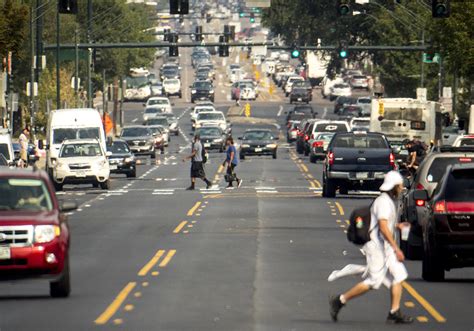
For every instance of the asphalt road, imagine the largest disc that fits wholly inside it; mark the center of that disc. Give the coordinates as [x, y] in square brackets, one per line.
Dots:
[148, 255]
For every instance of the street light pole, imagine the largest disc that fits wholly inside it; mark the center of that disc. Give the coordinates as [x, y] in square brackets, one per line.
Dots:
[58, 77]
[32, 69]
[89, 55]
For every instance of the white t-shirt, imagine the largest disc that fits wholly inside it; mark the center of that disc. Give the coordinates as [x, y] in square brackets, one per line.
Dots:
[383, 208]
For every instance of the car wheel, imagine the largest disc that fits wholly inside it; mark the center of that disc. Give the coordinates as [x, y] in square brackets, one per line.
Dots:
[242, 156]
[343, 190]
[432, 269]
[312, 158]
[95, 185]
[329, 189]
[62, 287]
[274, 155]
[153, 154]
[411, 252]
[299, 150]
[306, 152]
[132, 173]
[105, 185]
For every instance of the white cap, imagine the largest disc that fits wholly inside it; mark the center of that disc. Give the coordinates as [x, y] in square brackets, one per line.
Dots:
[392, 179]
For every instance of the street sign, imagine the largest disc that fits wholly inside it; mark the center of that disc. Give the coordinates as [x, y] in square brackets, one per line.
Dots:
[381, 108]
[247, 110]
[258, 3]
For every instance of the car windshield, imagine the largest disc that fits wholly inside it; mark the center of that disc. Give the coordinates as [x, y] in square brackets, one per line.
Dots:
[156, 129]
[5, 151]
[158, 121]
[153, 110]
[297, 116]
[460, 186]
[118, 147]
[300, 91]
[158, 102]
[171, 82]
[211, 116]
[258, 135]
[359, 77]
[24, 194]
[135, 132]
[170, 117]
[341, 86]
[80, 149]
[306, 110]
[360, 123]
[359, 141]
[203, 85]
[439, 165]
[61, 134]
[330, 127]
[210, 132]
[325, 136]
[364, 100]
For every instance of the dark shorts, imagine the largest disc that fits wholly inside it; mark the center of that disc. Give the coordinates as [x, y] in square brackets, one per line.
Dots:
[197, 170]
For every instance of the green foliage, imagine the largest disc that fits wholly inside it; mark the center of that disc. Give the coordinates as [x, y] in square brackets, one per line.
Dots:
[13, 26]
[382, 22]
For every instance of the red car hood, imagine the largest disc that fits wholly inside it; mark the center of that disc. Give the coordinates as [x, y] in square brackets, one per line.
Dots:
[28, 218]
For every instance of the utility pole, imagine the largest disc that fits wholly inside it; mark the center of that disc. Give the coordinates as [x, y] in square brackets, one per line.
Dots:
[89, 56]
[32, 69]
[422, 78]
[58, 77]
[76, 67]
[39, 37]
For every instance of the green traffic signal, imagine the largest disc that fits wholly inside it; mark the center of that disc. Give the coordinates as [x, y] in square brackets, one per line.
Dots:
[295, 53]
[242, 14]
[343, 54]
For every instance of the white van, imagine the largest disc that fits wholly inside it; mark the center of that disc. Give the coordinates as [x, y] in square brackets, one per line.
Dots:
[68, 124]
[6, 146]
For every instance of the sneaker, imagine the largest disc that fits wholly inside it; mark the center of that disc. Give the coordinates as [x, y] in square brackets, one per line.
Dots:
[398, 318]
[191, 188]
[239, 183]
[335, 306]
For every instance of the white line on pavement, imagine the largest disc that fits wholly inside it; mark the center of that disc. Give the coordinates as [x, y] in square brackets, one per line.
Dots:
[280, 111]
[134, 120]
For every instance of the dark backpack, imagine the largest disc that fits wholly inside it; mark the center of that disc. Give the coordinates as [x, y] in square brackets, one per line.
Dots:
[358, 231]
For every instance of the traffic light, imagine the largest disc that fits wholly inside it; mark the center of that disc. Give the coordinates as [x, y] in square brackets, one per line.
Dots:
[343, 7]
[252, 18]
[166, 35]
[179, 7]
[295, 52]
[198, 33]
[229, 32]
[67, 7]
[241, 14]
[440, 8]
[181, 19]
[96, 55]
[208, 18]
[343, 49]
[223, 49]
[173, 50]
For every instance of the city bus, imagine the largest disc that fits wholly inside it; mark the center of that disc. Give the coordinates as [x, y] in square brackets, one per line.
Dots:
[404, 118]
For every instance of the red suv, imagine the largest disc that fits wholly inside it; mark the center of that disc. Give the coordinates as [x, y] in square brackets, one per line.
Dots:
[34, 234]
[448, 228]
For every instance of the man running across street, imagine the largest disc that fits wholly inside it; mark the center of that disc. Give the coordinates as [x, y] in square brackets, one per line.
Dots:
[197, 166]
[384, 257]
[231, 161]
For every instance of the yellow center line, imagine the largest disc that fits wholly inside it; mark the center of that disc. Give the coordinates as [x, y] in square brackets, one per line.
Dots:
[312, 184]
[310, 176]
[167, 258]
[318, 184]
[305, 168]
[341, 210]
[144, 271]
[192, 210]
[180, 226]
[115, 305]
[428, 307]
[221, 168]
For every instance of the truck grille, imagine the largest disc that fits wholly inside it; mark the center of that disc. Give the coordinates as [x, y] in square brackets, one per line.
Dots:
[16, 236]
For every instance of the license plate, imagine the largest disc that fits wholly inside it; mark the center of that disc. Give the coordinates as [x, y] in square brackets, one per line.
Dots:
[5, 253]
[113, 167]
[258, 150]
[81, 174]
[207, 145]
[362, 175]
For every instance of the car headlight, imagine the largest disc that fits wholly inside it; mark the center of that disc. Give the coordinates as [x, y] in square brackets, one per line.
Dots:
[219, 140]
[46, 233]
[271, 146]
[211, 91]
[245, 145]
[173, 125]
[128, 159]
[198, 125]
[193, 91]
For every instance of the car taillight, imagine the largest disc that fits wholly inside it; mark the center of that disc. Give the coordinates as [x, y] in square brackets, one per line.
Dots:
[420, 186]
[465, 159]
[440, 207]
[392, 160]
[420, 203]
[331, 158]
[318, 144]
[306, 137]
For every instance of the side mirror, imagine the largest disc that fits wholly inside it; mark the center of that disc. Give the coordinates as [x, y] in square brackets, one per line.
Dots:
[67, 206]
[108, 153]
[420, 195]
